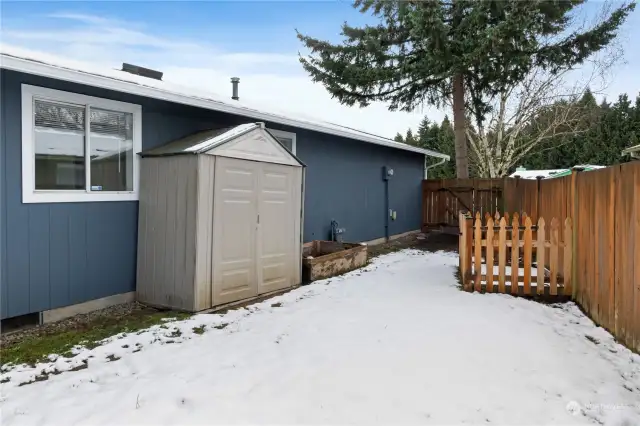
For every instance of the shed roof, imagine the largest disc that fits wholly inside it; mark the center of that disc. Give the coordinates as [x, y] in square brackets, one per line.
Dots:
[207, 140]
[47, 65]
[199, 142]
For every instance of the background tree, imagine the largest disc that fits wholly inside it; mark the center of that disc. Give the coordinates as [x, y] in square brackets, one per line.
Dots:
[605, 129]
[609, 129]
[543, 111]
[427, 51]
[437, 137]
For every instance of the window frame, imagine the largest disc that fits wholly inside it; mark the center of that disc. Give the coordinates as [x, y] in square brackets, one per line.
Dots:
[29, 193]
[284, 134]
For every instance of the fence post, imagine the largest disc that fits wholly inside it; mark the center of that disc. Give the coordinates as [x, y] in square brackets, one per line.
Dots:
[466, 243]
[477, 251]
[540, 255]
[468, 222]
[462, 239]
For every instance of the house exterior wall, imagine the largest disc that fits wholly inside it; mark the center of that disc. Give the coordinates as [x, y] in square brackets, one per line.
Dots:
[55, 255]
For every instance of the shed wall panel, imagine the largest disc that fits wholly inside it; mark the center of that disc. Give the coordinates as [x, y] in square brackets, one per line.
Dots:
[167, 231]
[204, 231]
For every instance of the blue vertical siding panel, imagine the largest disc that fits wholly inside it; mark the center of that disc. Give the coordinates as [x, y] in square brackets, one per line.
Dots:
[59, 247]
[78, 255]
[3, 209]
[111, 248]
[405, 194]
[344, 182]
[17, 217]
[39, 257]
[17, 262]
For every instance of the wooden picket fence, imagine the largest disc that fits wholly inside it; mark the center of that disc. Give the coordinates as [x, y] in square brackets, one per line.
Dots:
[502, 251]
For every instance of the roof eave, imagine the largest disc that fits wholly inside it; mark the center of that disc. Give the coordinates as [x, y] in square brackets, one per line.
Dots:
[81, 77]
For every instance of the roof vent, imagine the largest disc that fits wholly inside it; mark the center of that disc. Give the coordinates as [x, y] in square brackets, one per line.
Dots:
[144, 72]
[234, 86]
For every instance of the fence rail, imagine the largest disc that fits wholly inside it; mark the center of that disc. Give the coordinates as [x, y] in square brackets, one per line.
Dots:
[503, 256]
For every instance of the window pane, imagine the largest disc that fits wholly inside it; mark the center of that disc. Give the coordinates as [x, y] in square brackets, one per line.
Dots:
[287, 142]
[111, 144]
[59, 146]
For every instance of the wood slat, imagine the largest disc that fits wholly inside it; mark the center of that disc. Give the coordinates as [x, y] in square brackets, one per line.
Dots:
[477, 256]
[502, 254]
[553, 258]
[540, 255]
[528, 244]
[568, 258]
[468, 250]
[490, 252]
[515, 252]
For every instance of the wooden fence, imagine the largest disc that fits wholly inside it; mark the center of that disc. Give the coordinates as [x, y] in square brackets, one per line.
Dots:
[604, 206]
[506, 255]
[607, 238]
[522, 196]
[443, 199]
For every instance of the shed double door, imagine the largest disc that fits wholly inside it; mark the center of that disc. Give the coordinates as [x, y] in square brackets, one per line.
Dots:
[254, 229]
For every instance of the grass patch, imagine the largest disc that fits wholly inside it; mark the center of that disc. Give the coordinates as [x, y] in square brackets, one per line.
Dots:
[199, 330]
[36, 348]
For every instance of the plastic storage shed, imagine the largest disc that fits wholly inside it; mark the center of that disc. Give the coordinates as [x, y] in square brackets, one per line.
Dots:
[220, 219]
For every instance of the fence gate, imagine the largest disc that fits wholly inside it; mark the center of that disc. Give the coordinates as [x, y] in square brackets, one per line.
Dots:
[443, 199]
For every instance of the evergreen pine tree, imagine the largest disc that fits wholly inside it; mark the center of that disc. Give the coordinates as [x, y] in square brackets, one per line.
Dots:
[437, 50]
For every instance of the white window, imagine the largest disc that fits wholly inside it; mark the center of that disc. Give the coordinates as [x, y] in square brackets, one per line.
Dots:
[78, 148]
[287, 139]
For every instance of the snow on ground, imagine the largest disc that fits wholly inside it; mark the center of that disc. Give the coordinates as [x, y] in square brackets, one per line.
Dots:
[396, 342]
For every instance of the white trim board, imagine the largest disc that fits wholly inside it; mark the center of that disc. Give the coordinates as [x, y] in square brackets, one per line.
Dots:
[29, 194]
[155, 89]
[383, 240]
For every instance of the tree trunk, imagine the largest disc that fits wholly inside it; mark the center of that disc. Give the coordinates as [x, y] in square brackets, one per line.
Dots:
[459, 126]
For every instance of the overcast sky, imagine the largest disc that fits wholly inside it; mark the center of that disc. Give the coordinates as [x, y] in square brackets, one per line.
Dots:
[203, 44]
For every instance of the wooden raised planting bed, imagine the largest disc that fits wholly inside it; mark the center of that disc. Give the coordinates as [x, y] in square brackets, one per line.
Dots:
[324, 259]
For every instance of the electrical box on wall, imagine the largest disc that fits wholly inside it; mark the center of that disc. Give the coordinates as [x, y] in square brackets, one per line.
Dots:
[387, 173]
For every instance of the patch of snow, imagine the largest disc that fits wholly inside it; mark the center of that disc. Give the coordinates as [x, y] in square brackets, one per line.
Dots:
[533, 174]
[394, 342]
[217, 140]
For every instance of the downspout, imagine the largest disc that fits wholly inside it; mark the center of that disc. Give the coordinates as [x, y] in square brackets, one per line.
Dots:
[426, 168]
[387, 208]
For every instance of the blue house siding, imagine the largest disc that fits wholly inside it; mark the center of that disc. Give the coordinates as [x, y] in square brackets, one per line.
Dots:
[55, 255]
[344, 182]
